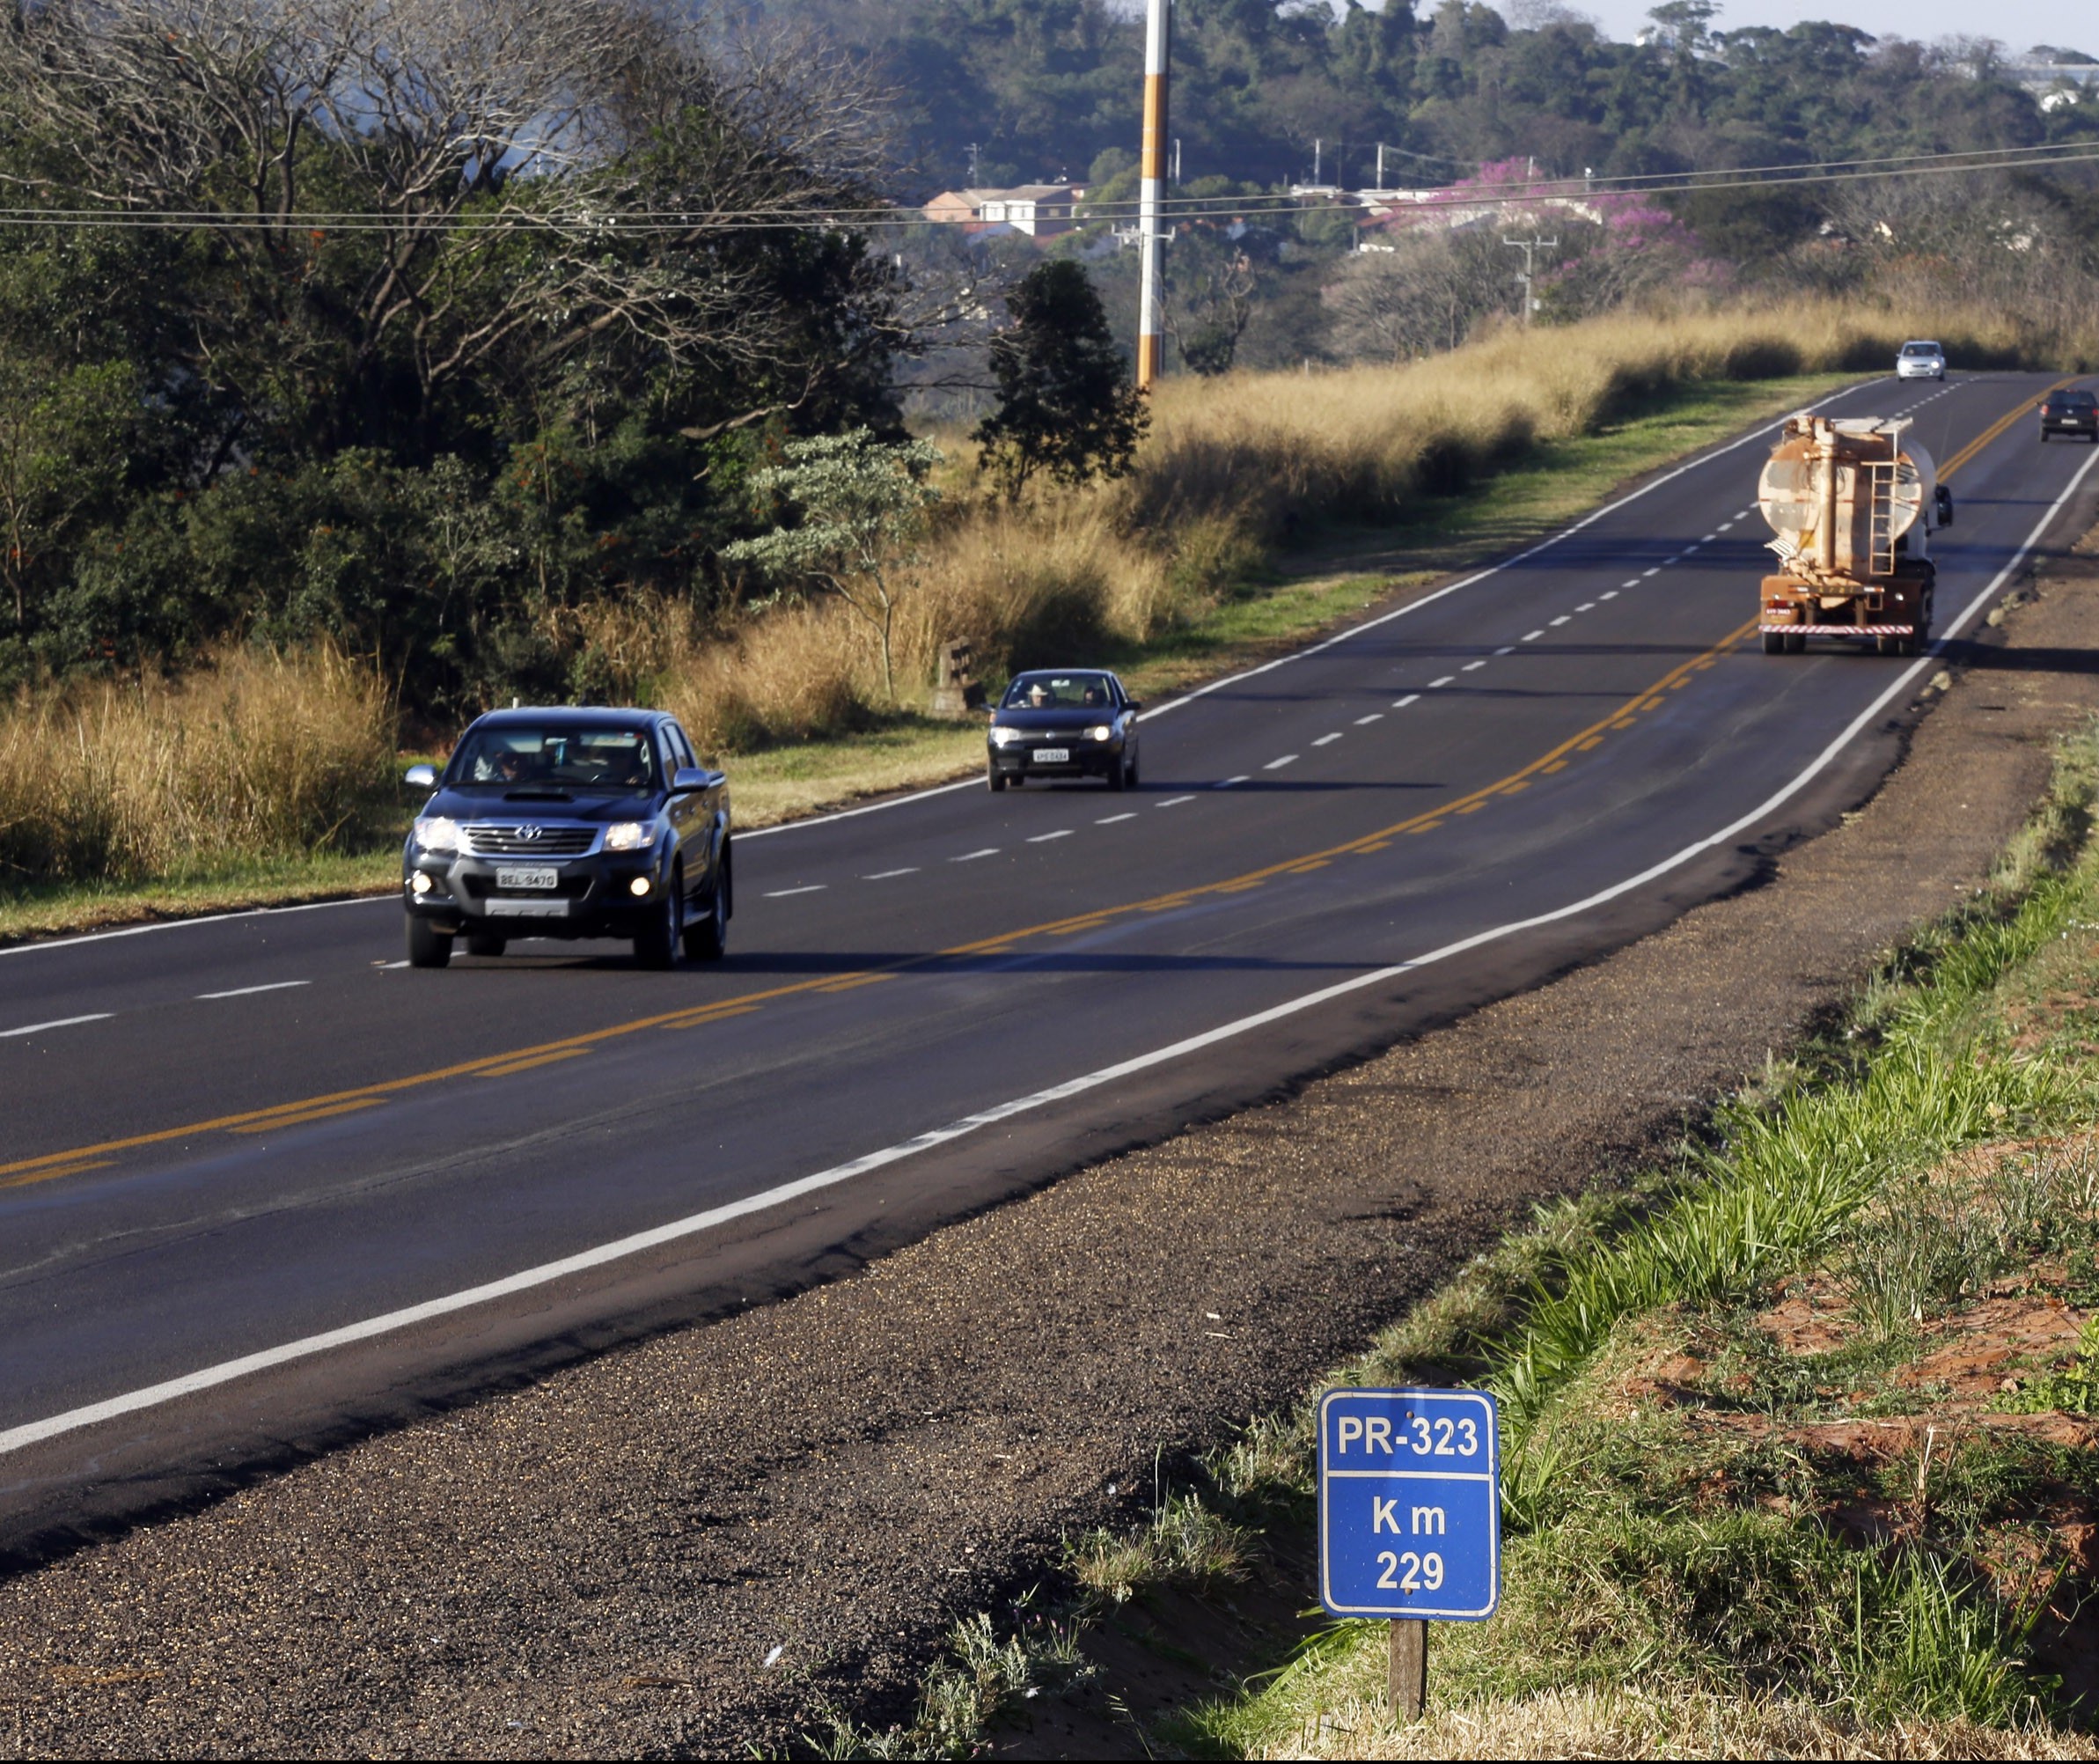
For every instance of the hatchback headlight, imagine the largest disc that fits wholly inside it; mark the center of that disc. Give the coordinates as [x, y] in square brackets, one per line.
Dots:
[1100, 731]
[436, 833]
[626, 835]
[1006, 738]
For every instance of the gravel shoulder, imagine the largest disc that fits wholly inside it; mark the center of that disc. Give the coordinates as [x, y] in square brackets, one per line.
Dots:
[700, 1542]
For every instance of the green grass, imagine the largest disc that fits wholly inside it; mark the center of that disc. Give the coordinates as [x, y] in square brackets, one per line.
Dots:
[1334, 577]
[1683, 1547]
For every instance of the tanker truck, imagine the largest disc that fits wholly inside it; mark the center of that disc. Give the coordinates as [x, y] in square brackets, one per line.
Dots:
[1853, 502]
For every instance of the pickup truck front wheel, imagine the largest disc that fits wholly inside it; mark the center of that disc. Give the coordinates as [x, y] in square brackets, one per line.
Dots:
[427, 946]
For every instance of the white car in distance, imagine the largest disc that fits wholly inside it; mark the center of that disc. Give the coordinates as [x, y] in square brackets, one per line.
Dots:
[1920, 360]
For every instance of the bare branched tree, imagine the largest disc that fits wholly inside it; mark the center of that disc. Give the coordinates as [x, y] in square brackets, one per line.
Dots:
[446, 189]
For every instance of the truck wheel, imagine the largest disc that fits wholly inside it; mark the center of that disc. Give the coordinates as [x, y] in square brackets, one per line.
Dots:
[656, 946]
[1774, 642]
[486, 943]
[1796, 643]
[427, 946]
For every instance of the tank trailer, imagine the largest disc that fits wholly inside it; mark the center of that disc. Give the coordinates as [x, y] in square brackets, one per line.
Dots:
[1853, 502]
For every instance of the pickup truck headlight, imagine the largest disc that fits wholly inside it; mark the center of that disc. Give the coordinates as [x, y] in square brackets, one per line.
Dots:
[1006, 738]
[626, 835]
[436, 833]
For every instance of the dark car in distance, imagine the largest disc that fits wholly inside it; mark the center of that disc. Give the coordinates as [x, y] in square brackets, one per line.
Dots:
[2070, 412]
[570, 823]
[1063, 723]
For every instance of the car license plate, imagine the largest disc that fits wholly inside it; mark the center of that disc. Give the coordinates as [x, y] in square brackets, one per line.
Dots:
[1051, 756]
[525, 875]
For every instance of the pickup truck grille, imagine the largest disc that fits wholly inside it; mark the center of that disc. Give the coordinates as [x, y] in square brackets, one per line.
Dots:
[527, 839]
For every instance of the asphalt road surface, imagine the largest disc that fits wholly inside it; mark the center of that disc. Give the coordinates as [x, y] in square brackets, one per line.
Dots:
[262, 1184]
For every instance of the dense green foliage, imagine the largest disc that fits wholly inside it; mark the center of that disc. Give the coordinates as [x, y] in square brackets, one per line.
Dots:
[401, 378]
[1067, 407]
[1041, 87]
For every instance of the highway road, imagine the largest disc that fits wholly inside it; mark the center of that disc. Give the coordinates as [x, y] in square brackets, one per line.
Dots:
[261, 1185]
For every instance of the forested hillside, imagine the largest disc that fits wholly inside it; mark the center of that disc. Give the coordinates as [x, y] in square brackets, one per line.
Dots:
[1040, 88]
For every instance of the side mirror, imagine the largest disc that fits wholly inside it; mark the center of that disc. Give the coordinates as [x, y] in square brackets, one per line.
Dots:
[1943, 498]
[687, 779]
[1132, 705]
[422, 777]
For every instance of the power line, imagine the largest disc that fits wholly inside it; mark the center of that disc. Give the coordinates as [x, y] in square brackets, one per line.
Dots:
[789, 215]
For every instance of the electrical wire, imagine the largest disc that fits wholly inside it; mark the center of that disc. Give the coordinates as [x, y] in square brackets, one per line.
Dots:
[1560, 192]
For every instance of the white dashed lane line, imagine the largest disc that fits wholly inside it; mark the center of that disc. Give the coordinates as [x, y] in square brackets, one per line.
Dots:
[1563, 618]
[1044, 838]
[811, 888]
[1471, 666]
[1587, 606]
[1375, 717]
[1175, 802]
[1505, 650]
[1324, 740]
[1110, 820]
[883, 875]
[57, 1023]
[1401, 703]
[1445, 681]
[1227, 784]
[1726, 526]
[1657, 570]
[971, 856]
[1532, 637]
[249, 991]
[1277, 765]
[1613, 595]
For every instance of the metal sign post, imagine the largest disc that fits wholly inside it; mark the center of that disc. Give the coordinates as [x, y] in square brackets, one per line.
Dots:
[1410, 1517]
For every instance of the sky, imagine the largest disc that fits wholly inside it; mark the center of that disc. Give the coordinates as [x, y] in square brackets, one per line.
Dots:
[2018, 24]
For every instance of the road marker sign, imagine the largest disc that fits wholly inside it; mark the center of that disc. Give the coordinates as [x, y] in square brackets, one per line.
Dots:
[1410, 1517]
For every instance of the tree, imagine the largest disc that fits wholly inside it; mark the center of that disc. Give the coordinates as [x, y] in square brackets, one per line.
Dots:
[1065, 404]
[859, 506]
[62, 454]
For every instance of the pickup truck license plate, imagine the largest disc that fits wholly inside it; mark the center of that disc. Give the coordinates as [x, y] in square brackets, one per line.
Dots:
[525, 875]
[1052, 756]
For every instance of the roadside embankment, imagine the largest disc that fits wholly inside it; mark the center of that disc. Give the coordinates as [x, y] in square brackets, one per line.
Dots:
[720, 1539]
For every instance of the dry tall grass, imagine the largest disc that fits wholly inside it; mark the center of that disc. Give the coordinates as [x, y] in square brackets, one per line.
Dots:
[261, 756]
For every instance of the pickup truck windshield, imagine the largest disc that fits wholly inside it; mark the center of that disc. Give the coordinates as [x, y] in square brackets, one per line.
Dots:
[514, 755]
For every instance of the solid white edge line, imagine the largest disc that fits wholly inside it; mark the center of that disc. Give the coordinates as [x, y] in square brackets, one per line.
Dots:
[245, 991]
[388, 897]
[30, 1433]
[57, 1023]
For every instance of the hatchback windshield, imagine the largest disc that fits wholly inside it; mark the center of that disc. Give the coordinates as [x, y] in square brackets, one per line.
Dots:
[1058, 692]
[561, 758]
[2073, 400]
[1919, 349]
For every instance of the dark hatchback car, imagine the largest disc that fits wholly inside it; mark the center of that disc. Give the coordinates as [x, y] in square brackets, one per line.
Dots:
[1064, 722]
[2070, 413]
[570, 824]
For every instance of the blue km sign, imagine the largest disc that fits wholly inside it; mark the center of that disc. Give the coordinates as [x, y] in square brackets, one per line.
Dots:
[1409, 1505]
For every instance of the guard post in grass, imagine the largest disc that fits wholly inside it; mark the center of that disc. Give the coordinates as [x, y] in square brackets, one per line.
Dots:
[1410, 1517]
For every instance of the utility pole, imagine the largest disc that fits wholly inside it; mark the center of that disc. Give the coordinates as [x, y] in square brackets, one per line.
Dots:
[973, 164]
[1158, 49]
[1316, 146]
[1177, 162]
[1526, 275]
[1381, 164]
